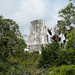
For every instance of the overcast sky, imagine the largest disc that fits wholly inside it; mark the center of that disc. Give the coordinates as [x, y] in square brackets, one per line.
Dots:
[25, 11]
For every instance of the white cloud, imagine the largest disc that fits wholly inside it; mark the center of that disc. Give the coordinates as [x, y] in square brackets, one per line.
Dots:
[25, 11]
[30, 10]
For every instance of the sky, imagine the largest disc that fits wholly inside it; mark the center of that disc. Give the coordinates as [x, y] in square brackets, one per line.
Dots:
[25, 11]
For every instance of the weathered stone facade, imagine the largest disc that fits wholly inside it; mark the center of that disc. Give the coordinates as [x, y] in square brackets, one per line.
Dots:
[37, 35]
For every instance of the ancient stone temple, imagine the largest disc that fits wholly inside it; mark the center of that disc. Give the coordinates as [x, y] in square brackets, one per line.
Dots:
[37, 36]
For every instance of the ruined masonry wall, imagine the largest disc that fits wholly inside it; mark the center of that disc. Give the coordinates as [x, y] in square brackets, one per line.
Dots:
[37, 35]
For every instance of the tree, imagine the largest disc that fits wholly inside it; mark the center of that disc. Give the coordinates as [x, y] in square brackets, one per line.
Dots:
[66, 57]
[49, 55]
[71, 40]
[62, 70]
[67, 23]
[10, 39]
[11, 46]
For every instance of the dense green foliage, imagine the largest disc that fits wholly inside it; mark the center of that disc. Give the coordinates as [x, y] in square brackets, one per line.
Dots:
[66, 57]
[62, 70]
[49, 55]
[11, 42]
[71, 40]
[52, 55]
[11, 45]
[20, 66]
